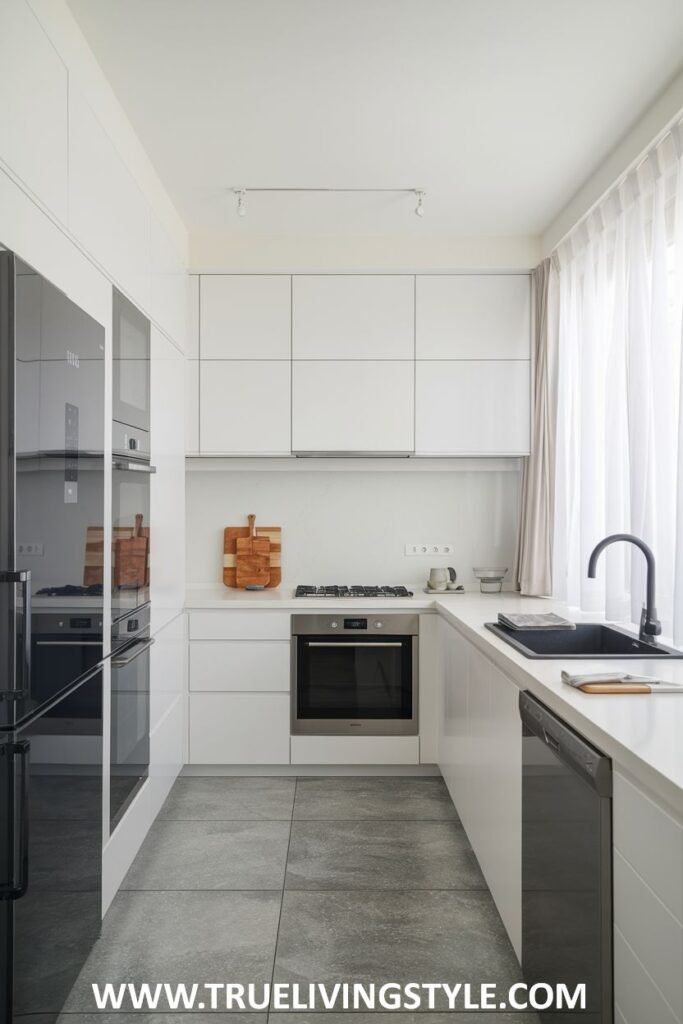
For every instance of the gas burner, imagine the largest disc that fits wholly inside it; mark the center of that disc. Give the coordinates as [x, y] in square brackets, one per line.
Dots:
[350, 592]
[70, 590]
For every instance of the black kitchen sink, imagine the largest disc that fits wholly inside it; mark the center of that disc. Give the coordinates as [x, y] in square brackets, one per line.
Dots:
[588, 640]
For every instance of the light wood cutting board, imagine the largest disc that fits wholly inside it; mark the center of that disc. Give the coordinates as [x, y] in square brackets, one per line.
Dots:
[230, 536]
[252, 558]
[94, 551]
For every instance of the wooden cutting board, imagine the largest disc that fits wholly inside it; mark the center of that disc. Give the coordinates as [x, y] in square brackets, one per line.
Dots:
[252, 561]
[130, 559]
[94, 551]
[232, 534]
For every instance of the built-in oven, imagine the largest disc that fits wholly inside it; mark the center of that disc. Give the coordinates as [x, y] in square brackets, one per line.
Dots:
[131, 376]
[355, 674]
[130, 710]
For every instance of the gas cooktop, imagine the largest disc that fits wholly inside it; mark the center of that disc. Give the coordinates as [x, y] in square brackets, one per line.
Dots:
[356, 591]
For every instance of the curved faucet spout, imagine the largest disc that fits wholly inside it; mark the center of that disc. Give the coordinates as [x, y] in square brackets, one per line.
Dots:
[650, 626]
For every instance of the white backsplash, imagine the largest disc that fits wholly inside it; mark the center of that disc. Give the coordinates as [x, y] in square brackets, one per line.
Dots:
[352, 527]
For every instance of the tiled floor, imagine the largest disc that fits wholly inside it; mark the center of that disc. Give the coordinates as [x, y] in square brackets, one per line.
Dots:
[255, 880]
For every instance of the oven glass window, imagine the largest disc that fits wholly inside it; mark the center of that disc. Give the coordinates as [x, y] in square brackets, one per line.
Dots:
[354, 678]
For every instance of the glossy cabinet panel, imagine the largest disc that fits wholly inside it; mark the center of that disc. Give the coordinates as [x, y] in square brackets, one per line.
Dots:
[245, 316]
[240, 665]
[473, 316]
[239, 728]
[353, 316]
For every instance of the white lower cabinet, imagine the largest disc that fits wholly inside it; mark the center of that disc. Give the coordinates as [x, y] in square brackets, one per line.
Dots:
[241, 665]
[239, 728]
[480, 757]
[648, 908]
[355, 750]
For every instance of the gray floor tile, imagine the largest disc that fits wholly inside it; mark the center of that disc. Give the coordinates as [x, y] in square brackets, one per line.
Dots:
[381, 855]
[393, 937]
[226, 799]
[393, 799]
[211, 855]
[191, 937]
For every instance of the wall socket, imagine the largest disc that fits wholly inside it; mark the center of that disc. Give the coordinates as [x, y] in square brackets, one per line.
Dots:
[31, 548]
[428, 549]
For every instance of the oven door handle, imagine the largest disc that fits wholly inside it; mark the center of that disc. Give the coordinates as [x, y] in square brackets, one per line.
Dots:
[122, 662]
[135, 467]
[369, 643]
[68, 643]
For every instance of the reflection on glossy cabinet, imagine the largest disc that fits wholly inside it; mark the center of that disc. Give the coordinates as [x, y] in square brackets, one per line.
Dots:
[245, 316]
[472, 407]
[480, 756]
[473, 316]
[353, 316]
[352, 406]
[245, 407]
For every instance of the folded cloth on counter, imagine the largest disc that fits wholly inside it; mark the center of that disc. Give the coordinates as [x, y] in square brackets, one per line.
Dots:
[547, 620]
[619, 683]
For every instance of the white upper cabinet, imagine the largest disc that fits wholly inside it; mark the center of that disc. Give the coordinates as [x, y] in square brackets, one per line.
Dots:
[353, 317]
[108, 213]
[473, 316]
[472, 407]
[169, 284]
[352, 406]
[245, 316]
[245, 407]
[33, 111]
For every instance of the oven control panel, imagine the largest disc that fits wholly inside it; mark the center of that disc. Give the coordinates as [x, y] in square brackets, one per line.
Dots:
[391, 624]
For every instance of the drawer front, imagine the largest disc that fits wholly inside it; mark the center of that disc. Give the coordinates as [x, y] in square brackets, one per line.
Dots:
[240, 665]
[234, 625]
[239, 728]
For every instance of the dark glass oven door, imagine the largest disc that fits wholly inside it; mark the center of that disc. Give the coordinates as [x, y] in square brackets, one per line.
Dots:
[131, 364]
[130, 715]
[354, 684]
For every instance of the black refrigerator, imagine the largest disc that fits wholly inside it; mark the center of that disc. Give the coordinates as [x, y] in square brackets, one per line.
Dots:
[52, 359]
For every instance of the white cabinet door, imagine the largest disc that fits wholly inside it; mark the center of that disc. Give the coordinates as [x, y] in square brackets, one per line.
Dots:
[353, 317]
[352, 406]
[472, 407]
[33, 111]
[167, 485]
[473, 316]
[192, 406]
[245, 407]
[245, 316]
[239, 728]
[240, 666]
[169, 284]
[108, 213]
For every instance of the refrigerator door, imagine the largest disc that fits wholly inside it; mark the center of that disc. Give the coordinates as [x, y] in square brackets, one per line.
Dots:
[51, 858]
[52, 361]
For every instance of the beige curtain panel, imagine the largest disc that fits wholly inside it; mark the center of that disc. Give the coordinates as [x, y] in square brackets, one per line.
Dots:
[534, 558]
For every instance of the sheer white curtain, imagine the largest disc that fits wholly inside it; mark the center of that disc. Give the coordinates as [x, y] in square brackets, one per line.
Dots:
[619, 460]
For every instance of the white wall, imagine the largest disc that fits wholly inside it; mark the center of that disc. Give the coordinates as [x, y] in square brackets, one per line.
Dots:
[350, 526]
[655, 120]
[237, 252]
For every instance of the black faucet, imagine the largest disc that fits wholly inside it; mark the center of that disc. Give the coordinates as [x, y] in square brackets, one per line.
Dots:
[650, 626]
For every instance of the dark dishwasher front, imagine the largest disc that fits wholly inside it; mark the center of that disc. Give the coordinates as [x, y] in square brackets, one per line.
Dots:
[566, 863]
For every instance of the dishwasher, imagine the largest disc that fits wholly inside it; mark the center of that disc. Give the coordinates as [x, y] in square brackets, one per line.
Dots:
[566, 863]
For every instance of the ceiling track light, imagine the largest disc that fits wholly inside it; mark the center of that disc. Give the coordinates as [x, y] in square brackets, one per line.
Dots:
[241, 194]
[419, 194]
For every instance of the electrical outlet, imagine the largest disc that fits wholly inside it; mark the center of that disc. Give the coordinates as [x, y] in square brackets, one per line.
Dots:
[31, 548]
[417, 550]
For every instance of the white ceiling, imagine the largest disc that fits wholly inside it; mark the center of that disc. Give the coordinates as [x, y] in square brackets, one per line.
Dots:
[499, 109]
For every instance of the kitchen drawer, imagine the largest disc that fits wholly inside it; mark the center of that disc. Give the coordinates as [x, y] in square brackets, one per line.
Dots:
[239, 728]
[355, 750]
[240, 665]
[240, 625]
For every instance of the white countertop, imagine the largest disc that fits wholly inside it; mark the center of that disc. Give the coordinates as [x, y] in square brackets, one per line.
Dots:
[643, 734]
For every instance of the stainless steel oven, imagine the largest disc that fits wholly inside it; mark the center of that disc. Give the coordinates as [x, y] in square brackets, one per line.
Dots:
[130, 707]
[131, 376]
[355, 674]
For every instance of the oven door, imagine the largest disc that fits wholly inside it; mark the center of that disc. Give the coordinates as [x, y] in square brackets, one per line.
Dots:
[129, 724]
[131, 364]
[350, 685]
